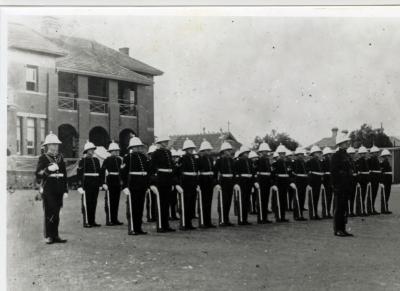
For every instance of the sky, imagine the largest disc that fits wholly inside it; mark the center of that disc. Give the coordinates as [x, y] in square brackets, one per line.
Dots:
[299, 75]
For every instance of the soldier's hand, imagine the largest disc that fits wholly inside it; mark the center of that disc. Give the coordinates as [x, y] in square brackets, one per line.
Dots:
[293, 185]
[126, 191]
[80, 190]
[257, 185]
[40, 190]
[53, 167]
[65, 195]
[179, 189]
[105, 187]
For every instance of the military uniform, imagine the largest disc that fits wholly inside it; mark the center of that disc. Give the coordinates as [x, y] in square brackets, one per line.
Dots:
[135, 176]
[315, 177]
[110, 173]
[162, 169]
[291, 192]
[151, 202]
[207, 183]
[54, 184]
[354, 182]
[386, 180]
[223, 172]
[244, 178]
[375, 176]
[189, 171]
[263, 168]
[341, 171]
[327, 182]
[301, 181]
[363, 179]
[281, 179]
[88, 175]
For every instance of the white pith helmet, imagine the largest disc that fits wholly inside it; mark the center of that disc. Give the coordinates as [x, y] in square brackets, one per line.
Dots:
[253, 155]
[362, 150]
[351, 150]
[152, 149]
[113, 147]
[135, 142]
[264, 147]
[281, 149]
[299, 151]
[326, 151]
[225, 146]
[385, 152]
[162, 138]
[243, 149]
[205, 145]
[51, 138]
[374, 149]
[342, 138]
[88, 146]
[188, 144]
[315, 149]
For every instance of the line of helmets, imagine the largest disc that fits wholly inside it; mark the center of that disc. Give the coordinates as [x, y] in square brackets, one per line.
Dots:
[205, 145]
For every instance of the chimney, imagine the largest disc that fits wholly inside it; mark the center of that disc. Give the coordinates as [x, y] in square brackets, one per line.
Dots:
[334, 132]
[124, 50]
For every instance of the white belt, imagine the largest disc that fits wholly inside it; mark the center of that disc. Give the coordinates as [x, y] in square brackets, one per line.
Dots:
[206, 173]
[388, 173]
[113, 173]
[190, 173]
[317, 173]
[138, 173]
[264, 173]
[227, 175]
[246, 175]
[378, 172]
[355, 174]
[327, 173]
[56, 175]
[301, 175]
[283, 175]
[364, 173]
[91, 174]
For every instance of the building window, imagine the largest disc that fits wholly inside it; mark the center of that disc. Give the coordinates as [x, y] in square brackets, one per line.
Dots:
[30, 136]
[42, 130]
[31, 78]
[132, 97]
[19, 135]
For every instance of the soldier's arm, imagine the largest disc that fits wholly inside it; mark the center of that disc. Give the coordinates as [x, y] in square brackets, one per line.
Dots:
[124, 170]
[63, 170]
[41, 168]
[79, 173]
[103, 171]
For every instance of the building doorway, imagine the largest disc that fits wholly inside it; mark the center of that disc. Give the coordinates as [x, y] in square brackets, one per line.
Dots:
[99, 136]
[124, 137]
[69, 138]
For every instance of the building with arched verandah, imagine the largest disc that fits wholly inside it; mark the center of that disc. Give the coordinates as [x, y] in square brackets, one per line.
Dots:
[76, 88]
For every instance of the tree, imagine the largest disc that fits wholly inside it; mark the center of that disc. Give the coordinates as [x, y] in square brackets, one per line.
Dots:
[275, 138]
[368, 137]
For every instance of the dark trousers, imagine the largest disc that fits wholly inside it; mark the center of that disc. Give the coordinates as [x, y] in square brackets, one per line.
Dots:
[52, 203]
[224, 206]
[244, 199]
[151, 206]
[111, 202]
[91, 188]
[164, 185]
[375, 178]
[328, 193]
[172, 204]
[262, 211]
[301, 184]
[206, 186]
[363, 180]
[283, 185]
[387, 182]
[352, 197]
[340, 213]
[313, 205]
[135, 206]
[253, 202]
[188, 203]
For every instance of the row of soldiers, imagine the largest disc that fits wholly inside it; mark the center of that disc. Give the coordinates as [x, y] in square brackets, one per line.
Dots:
[170, 183]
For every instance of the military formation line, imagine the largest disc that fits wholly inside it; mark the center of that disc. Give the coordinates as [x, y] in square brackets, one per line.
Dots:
[181, 184]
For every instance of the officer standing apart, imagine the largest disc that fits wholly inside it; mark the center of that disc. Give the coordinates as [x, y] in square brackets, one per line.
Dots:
[223, 173]
[162, 167]
[341, 179]
[134, 173]
[110, 174]
[88, 184]
[207, 183]
[52, 175]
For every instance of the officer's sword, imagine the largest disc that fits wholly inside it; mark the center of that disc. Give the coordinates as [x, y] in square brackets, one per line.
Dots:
[201, 204]
[108, 198]
[322, 192]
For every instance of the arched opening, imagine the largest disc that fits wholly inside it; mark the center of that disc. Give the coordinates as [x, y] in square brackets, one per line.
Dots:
[99, 136]
[69, 138]
[124, 137]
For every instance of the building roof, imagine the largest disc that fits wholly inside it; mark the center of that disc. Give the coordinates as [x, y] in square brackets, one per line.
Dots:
[325, 142]
[24, 38]
[84, 57]
[214, 138]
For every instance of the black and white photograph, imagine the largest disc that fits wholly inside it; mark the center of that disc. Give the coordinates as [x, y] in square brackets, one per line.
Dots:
[201, 148]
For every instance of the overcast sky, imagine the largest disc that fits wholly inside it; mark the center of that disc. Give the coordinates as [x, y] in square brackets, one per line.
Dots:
[302, 76]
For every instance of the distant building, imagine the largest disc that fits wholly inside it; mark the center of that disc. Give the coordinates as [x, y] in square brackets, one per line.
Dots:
[77, 88]
[214, 138]
[395, 141]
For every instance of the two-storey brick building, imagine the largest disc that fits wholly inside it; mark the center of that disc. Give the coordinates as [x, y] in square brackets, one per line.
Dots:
[77, 88]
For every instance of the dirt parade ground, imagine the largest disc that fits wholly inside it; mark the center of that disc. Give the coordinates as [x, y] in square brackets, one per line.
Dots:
[293, 256]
